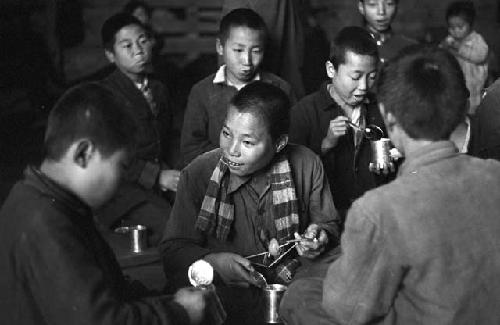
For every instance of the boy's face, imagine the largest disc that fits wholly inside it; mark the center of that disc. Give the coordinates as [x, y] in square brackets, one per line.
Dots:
[378, 13]
[246, 143]
[458, 27]
[131, 51]
[354, 77]
[243, 53]
[103, 175]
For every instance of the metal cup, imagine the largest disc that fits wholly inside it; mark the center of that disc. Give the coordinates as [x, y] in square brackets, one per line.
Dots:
[138, 238]
[381, 157]
[272, 295]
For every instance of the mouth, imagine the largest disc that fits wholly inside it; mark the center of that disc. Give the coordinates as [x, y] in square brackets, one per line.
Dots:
[232, 163]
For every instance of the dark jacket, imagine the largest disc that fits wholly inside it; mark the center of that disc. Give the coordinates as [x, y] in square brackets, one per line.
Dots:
[183, 244]
[206, 110]
[345, 165]
[57, 269]
[154, 136]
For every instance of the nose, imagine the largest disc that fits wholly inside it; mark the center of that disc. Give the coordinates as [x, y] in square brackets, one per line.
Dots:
[234, 149]
[363, 84]
[246, 58]
[138, 48]
[381, 9]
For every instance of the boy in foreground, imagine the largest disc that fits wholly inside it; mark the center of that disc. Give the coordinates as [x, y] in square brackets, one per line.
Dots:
[56, 267]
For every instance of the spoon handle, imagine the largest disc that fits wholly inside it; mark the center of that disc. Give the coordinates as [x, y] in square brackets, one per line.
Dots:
[353, 125]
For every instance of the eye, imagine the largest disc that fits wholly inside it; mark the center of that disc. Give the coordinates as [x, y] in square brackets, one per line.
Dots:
[225, 133]
[126, 45]
[356, 77]
[372, 76]
[248, 143]
[257, 51]
[238, 50]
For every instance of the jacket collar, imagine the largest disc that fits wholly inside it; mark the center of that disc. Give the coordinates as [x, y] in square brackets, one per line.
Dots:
[427, 155]
[58, 194]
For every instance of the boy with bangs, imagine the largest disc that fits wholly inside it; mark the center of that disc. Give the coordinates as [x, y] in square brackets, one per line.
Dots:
[241, 42]
[140, 197]
[56, 267]
[378, 16]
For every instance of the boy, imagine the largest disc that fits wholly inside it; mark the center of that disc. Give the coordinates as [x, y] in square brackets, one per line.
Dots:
[236, 200]
[423, 249]
[320, 121]
[241, 43]
[56, 267]
[378, 16]
[139, 199]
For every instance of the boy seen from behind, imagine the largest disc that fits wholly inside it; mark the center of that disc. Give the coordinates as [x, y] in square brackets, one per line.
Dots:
[57, 269]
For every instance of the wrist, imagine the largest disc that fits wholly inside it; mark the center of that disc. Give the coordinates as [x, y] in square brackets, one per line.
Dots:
[328, 144]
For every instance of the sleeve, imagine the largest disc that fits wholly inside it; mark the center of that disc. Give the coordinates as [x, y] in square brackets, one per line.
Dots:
[144, 172]
[475, 51]
[321, 207]
[361, 284]
[182, 243]
[70, 286]
[194, 135]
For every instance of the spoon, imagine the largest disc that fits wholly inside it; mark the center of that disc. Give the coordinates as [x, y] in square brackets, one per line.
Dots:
[371, 132]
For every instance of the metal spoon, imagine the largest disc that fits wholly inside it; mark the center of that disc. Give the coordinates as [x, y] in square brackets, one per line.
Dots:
[371, 132]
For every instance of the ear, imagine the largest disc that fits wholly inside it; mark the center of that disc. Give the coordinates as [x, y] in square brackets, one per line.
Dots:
[282, 142]
[84, 151]
[361, 8]
[330, 70]
[219, 47]
[110, 55]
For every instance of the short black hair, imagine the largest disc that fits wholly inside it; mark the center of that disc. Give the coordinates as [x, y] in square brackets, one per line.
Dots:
[113, 24]
[89, 111]
[354, 39]
[241, 17]
[424, 88]
[131, 6]
[464, 9]
[266, 101]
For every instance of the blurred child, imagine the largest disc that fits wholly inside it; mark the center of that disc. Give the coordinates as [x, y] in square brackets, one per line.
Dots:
[241, 43]
[378, 16]
[468, 47]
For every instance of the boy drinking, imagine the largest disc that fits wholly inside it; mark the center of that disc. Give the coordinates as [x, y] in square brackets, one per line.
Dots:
[56, 267]
[241, 43]
[323, 120]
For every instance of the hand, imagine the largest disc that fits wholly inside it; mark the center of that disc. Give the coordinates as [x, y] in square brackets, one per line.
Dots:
[232, 268]
[337, 128]
[169, 179]
[385, 170]
[193, 301]
[312, 249]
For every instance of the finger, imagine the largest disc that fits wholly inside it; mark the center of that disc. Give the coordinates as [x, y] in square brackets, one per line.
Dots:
[323, 237]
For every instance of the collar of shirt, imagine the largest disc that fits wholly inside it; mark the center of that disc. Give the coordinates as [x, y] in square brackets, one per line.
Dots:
[59, 194]
[380, 38]
[220, 78]
[143, 85]
[259, 180]
[465, 146]
[427, 155]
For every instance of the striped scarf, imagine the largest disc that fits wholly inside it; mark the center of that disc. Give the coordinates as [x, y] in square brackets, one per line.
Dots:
[217, 209]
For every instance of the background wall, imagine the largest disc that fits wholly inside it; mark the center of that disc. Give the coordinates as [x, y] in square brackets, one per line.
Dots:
[189, 26]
